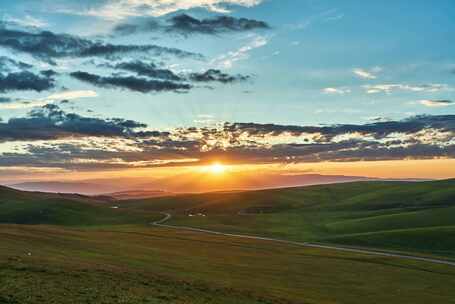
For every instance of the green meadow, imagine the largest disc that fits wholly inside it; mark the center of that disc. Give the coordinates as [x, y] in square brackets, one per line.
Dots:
[412, 217]
[74, 249]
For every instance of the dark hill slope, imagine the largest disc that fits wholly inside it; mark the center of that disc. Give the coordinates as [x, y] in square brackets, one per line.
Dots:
[18, 207]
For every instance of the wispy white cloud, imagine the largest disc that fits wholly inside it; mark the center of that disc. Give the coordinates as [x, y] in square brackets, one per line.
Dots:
[64, 95]
[330, 15]
[436, 103]
[69, 95]
[367, 74]
[27, 21]
[388, 88]
[339, 91]
[228, 60]
[334, 17]
[378, 118]
[121, 9]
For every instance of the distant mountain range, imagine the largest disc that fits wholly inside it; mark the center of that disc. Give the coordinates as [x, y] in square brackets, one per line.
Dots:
[138, 194]
[66, 187]
[135, 189]
[91, 189]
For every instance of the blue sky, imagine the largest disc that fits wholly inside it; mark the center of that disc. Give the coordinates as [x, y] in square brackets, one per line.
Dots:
[296, 62]
[312, 45]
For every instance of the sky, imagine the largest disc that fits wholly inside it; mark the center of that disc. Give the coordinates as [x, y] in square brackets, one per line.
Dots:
[96, 89]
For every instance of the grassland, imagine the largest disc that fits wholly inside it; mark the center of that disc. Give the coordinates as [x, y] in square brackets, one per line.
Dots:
[49, 264]
[411, 217]
[72, 249]
[18, 207]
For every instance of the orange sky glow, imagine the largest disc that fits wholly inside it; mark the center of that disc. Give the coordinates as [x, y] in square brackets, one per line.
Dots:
[224, 176]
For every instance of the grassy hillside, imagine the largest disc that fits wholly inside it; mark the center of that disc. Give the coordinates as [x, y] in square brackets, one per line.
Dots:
[81, 250]
[416, 217]
[43, 264]
[40, 208]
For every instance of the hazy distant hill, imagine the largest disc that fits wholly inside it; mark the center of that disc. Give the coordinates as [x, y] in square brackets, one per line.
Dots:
[66, 187]
[261, 180]
[125, 189]
[138, 194]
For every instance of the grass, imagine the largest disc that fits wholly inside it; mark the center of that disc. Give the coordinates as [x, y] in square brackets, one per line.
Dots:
[412, 217]
[72, 249]
[19, 207]
[155, 265]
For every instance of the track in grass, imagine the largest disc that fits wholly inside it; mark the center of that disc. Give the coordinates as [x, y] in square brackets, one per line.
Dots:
[168, 216]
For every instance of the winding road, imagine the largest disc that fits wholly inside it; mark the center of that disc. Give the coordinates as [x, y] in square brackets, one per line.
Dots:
[168, 216]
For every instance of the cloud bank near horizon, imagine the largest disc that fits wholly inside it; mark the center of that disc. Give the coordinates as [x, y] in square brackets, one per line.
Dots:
[68, 140]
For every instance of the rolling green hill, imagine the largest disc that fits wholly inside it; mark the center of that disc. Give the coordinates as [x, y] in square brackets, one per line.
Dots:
[415, 217]
[405, 216]
[18, 207]
[70, 249]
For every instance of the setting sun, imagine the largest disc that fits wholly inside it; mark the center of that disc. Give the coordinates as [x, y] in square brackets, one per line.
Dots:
[217, 168]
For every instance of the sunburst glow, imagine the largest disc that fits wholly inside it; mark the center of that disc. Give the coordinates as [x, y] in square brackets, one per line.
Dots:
[217, 168]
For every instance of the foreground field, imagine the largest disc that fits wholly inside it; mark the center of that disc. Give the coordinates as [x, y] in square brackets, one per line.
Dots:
[155, 265]
[411, 217]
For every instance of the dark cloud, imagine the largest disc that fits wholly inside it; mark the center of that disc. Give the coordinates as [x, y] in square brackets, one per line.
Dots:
[15, 76]
[5, 99]
[48, 46]
[25, 81]
[213, 75]
[145, 69]
[377, 130]
[7, 64]
[186, 25]
[144, 25]
[125, 29]
[131, 83]
[48, 73]
[152, 70]
[127, 143]
[50, 122]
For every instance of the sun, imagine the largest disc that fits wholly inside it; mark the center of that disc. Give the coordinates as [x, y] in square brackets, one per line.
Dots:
[217, 168]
